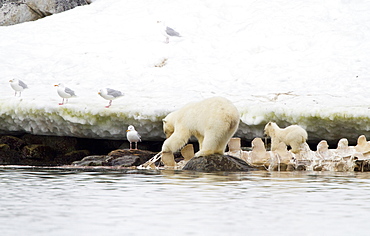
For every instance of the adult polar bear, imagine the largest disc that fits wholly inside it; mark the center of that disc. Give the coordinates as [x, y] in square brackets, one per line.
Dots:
[212, 121]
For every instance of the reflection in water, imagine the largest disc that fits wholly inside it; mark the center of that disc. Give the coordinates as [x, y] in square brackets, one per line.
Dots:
[140, 202]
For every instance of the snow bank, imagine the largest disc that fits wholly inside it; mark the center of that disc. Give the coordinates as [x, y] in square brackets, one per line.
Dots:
[303, 62]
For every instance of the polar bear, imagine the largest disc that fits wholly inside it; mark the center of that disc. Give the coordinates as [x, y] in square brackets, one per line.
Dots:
[212, 121]
[293, 136]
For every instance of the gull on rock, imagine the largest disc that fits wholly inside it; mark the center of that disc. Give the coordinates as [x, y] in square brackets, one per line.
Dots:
[132, 136]
[18, 86]
[168, 32]
[110, 94]
[64, 92]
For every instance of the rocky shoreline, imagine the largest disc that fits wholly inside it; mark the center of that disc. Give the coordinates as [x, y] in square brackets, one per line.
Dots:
[71, 152]
[38, 150]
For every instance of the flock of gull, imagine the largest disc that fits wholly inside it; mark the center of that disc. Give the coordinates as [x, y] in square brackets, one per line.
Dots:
[65, 93]
[107, 93]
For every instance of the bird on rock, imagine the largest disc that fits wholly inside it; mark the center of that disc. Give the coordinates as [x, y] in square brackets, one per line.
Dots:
[168, 32]
[110, 94]
[64, 92]
[132, 136]
[18, 86]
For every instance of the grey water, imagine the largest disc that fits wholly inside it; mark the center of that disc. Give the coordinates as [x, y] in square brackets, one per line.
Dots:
[48, 201]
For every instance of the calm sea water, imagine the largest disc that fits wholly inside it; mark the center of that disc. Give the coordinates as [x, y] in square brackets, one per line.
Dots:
[130, 202]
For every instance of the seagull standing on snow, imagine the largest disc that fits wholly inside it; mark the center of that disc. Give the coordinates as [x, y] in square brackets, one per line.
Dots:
[133, 136]
[18, 86]
[64, 92]
[169, 32]
[110, 94]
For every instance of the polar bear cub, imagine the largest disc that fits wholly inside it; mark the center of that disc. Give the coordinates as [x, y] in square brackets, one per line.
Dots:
[293, 136]
[212, 121]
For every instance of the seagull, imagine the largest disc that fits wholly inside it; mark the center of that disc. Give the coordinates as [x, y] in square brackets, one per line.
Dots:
[169, 32]
[133, 136]
[110, 94]
[64, 92]
[18, 86]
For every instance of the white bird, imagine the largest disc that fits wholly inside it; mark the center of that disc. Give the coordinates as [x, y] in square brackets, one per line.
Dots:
[110, 94]
[132, 136]
[18, 86]
[64, 92]
[168, 32]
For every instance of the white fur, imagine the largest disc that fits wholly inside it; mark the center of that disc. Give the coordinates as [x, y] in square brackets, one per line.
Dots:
[212, 121]
[293, 136]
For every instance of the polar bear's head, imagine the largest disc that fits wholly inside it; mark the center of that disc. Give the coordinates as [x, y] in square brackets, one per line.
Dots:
[269, 128]
[168, 127]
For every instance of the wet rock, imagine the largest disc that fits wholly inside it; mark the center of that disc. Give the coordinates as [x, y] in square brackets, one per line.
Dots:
[38, 152]
[120, 157]
[13, 142]
[217, 162]
[97, 160]
[362, 165]
[8, 156]
[29, 149]
[61, 144]
[127, 157]
[126, 161]
[4, 147]
[70, 157]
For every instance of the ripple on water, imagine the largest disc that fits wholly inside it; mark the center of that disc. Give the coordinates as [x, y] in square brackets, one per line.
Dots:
[46, 201]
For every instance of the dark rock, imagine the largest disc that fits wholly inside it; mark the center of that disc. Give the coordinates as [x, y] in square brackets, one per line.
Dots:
[29, 149]
[9, 156]
[317, 167]
[127, 158]
[125, 161]
[39, 152]
[72, 156]
[97, 160]
[120, 157]
[18, 11]
[217, 162]
[4, 147]
[362, 165]
[13, 142]
[98, 146]
[61, 144]
[301, 167]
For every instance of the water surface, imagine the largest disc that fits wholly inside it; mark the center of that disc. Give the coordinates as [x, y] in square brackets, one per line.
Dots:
[46, 201]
